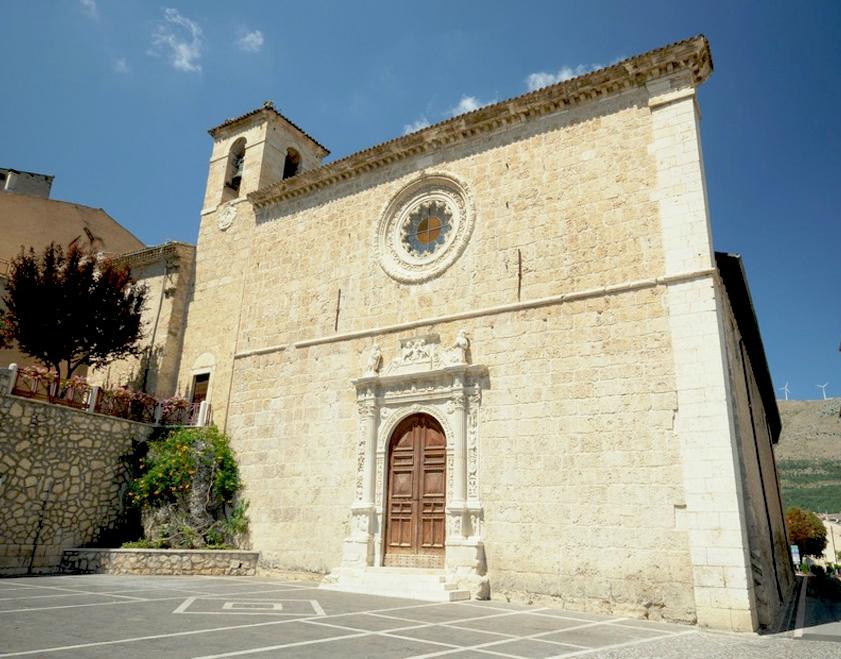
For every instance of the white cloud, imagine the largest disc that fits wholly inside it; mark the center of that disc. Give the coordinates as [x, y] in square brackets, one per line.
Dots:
[120, 65]
[251, 42]
[179, 40]
[544, 79]
[89, 7]
[466, 104]
[415, 126]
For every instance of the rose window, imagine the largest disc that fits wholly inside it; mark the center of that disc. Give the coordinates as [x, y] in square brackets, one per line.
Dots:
[424, 228]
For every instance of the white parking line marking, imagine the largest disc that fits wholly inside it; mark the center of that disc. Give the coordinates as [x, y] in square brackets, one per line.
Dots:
[187, 633]
[185, 605]
[104, 593]
[321, 623]
[485, 647]
[268, 648]
[183, 608]
[83, 592]
[79, 606]
[252, 605]
[239, 653]
[324, 620]
[638, 641]
[40, 597]
[459, 620]
[256, 592]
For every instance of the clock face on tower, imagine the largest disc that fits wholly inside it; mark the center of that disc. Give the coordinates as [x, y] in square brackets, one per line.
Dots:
[424, 228]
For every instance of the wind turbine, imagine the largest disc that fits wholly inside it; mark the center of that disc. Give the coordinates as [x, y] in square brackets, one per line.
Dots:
[823, 387]
[785, 390]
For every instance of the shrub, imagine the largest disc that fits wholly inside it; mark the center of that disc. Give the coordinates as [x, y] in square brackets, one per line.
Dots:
[188, 489]
[143, 544]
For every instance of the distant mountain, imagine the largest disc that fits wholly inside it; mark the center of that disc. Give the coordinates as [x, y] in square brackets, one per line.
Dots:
[809, 454]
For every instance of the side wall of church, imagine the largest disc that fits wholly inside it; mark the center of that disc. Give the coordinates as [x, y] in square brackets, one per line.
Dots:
[771, 567]
[579, 470]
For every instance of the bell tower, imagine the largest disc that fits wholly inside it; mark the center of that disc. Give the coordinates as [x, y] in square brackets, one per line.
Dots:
[254, 150]
[250, 152]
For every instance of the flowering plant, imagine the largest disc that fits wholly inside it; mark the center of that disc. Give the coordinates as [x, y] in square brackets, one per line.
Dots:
[74, 382]
[175, 411]
[39, 373]
[174, 404]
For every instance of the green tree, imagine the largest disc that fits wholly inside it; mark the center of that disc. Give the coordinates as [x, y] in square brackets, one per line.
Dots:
[72, 309]
[806, 530]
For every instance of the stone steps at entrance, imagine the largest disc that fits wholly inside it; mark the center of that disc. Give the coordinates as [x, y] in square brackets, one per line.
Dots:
[412, 583]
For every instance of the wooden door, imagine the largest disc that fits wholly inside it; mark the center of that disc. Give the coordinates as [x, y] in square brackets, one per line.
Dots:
[417, 476]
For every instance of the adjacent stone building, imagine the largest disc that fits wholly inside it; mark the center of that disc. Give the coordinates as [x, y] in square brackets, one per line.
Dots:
[500, 349]
[167, 273]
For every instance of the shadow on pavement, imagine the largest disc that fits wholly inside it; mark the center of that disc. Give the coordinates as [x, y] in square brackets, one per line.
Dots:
[822, 620]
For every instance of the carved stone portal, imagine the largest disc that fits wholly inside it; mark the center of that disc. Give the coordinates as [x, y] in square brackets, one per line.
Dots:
[422, 377]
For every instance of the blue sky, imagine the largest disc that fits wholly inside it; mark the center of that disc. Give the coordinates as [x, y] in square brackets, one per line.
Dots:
[114, 99]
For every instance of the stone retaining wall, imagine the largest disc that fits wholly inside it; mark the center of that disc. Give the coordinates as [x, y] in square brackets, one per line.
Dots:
[63, 474]
[159, 561]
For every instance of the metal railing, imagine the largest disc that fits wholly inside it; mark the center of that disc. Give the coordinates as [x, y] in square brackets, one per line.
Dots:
[120, 403]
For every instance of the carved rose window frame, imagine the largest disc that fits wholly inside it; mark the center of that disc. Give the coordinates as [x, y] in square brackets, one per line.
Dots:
[439, 194]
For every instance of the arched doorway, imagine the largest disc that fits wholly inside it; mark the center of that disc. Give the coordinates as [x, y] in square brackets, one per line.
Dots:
[415, 510]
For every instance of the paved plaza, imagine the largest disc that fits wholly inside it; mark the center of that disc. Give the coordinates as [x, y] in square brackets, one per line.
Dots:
[170, 617]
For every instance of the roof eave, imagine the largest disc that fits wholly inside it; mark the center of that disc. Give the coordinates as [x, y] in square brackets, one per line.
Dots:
[265, 112]
[733, 276]
[691, 55]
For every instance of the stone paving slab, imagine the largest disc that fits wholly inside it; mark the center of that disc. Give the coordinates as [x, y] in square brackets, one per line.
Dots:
[181, 617]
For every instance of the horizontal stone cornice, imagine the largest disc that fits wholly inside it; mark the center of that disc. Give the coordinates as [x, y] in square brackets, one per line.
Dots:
[691, 56]
[562, 298]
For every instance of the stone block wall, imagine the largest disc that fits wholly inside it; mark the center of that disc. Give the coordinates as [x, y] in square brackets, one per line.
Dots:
[580, 474]
[62, 477]
[607, 464]
[546, 224]
[159, 561]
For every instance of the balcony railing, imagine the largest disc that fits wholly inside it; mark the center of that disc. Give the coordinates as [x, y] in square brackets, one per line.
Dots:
[41, 384]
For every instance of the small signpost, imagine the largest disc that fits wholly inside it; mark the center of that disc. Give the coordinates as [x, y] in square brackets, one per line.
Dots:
[795, 556]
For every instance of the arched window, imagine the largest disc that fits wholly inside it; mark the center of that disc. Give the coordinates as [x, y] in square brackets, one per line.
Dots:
[236, 164]
[291, 164]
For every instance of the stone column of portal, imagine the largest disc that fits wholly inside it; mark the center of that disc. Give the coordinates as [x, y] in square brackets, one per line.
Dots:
[359, 546]
[459, 452]
[464, 555]
[369, 477]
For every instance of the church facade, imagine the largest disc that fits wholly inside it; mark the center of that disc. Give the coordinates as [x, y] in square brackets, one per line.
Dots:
[499, 352]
